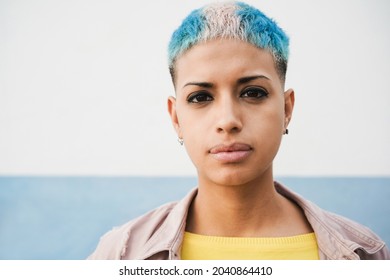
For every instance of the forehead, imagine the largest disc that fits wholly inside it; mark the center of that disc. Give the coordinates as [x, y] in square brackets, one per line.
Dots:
[223, 59]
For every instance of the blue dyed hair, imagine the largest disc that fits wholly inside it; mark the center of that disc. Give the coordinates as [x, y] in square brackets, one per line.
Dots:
[234, 20]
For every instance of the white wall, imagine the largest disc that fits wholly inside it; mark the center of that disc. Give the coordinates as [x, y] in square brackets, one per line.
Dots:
[83, 87]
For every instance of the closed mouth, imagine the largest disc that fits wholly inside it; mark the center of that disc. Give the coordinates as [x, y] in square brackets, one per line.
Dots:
[235, 147]
[234, 153]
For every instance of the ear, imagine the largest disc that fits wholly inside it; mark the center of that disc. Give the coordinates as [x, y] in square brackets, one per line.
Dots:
[289, 100]
[173, 114]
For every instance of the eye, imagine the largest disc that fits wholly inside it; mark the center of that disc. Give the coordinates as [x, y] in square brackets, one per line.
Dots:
[254, 93]
[199, 97]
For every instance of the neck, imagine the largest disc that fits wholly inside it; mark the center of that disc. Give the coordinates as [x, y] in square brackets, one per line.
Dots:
[252, 209]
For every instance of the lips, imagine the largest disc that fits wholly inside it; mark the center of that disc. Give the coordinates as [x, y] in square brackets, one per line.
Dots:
[233, 153]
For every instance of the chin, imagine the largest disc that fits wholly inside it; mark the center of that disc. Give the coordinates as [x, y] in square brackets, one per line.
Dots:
[233, 176]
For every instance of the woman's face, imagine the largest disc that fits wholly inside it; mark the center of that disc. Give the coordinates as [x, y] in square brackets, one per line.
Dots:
[230, 110]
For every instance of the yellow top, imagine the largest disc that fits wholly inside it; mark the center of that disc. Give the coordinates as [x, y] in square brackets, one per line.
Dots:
[202, 247]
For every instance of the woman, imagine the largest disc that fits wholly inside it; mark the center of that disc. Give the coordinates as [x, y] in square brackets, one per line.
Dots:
[228, 64]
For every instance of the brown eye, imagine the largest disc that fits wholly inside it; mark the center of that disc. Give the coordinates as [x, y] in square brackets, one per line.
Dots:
[199, 97]
[256, 93]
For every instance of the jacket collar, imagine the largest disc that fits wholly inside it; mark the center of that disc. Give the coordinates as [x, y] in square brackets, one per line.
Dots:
[332, 244]
[169, 236]
[328, 227]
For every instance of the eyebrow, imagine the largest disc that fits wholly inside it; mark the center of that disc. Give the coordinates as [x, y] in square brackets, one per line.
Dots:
[240, 81]
[245, 80]
[199, 84]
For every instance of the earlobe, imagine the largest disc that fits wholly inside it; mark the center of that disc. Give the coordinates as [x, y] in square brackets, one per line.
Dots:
[173, 113]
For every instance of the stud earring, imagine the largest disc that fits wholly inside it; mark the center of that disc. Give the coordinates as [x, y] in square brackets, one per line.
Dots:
[180, 140]
[286, 131]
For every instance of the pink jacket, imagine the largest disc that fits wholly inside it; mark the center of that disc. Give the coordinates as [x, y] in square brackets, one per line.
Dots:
[158, 234]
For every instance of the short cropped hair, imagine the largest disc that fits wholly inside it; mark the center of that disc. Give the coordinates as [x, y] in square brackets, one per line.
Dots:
[230, 20]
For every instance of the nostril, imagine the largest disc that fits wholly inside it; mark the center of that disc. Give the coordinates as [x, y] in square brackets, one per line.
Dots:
[229, 129]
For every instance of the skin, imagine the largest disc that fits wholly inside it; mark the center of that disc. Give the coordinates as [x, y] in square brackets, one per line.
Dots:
[231, 110]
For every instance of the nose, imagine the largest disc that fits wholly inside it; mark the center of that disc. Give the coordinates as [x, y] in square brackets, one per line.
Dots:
[228, 116]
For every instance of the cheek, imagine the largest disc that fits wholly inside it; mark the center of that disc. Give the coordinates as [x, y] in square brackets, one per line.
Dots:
[194, 130]
[266, 129]
[269, 119]
[275, 120]
[195, 146]
[192, 122]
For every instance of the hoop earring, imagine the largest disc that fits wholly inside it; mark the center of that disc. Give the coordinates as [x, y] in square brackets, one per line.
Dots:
[181, 141]
[286, 131]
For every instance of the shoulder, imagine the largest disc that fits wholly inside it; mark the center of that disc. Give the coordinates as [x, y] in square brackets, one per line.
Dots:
[339, 237]
[155, 232]
[114, 244]
[352, 235]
